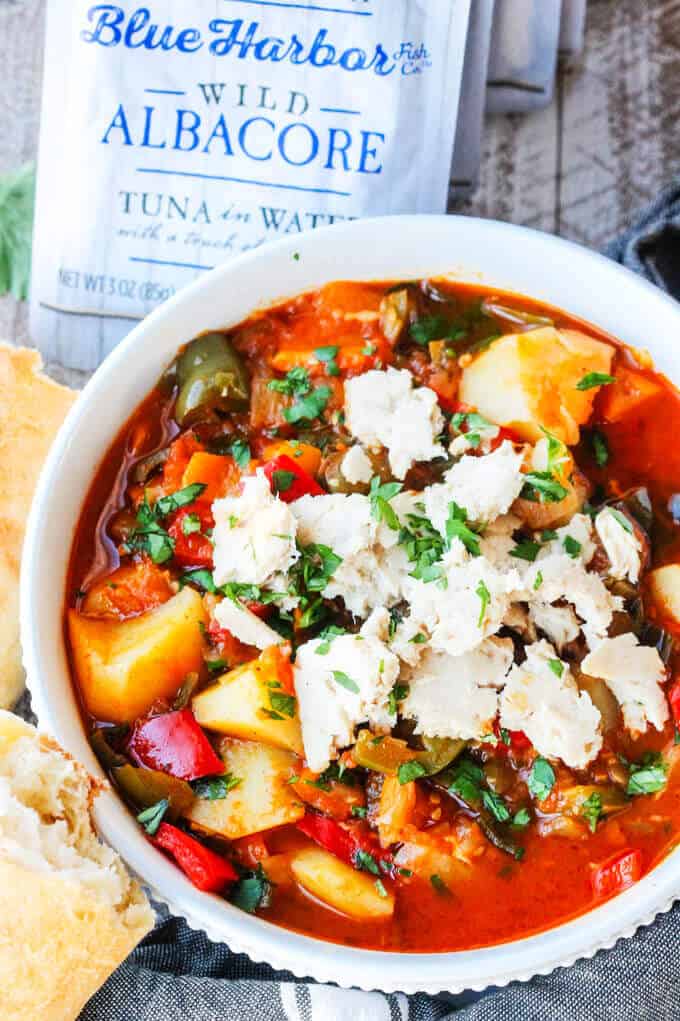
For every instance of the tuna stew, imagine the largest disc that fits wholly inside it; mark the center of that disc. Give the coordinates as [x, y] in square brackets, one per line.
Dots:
[371, 612]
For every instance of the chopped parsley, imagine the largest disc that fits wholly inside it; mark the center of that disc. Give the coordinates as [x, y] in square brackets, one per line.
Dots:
[169, 504]
[359, 811]
[306, 409]
[295, 383]
[438, 884]
[240, 451]
[466, 781]
[541, 779]
[282, 703]
[149, 536]
[152, 817]
[542, 487]
[521, 818]
[380, 887]
[591, 810]
[215, 788]
[423, 546]
[397, 695]
[365, 861]
[538, 581]
[648, 776]
[557, 666]
[495, 805]
[410, 770]
[340, 677]
[252, 891]
[457, 527]
[282, 480]
[380, 496]
[430, 328]
[600, 448]
[622, 520]
[526, 550]
[557, 451]
[476, 428]
[191, 523]
[326, 637]
[484, 599]
[548, 535]
[327, 355]
[571, 546]
[592, 379]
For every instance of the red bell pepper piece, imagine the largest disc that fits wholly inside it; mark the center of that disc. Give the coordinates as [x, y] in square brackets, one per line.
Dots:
[279, 471]
[518, 741]
[174, 743]
[206, 870]
[194, 549]
[674, 700]
[617, 873]
[343, 842]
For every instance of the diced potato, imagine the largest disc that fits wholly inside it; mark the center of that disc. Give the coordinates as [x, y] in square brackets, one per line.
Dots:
[277, 869]
[664, 588]
[124, 666]
[428, 853]
[628, 393]
[539, 516]
[341, 886]
[262, 800]
[239, 704]
[528, 380]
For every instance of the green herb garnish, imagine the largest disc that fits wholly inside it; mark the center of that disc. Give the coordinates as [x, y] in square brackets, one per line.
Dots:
[592, 379]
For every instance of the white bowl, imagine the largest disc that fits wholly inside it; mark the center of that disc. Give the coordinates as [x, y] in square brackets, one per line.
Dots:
[497, 254]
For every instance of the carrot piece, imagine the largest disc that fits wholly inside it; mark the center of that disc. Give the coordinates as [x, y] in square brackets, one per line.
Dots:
[630, 390]
[220, 474]
[129, 591]
[179, 456]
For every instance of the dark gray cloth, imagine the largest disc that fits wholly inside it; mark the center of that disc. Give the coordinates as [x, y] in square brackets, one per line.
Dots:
[179, 975]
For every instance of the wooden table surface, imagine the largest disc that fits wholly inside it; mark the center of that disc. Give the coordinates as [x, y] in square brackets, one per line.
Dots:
[581, 168]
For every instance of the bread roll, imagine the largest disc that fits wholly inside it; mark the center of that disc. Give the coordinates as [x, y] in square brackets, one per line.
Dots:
[32, 407]
[69, 912]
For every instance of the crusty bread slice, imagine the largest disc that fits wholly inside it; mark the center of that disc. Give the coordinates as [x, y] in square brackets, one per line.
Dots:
[69, 911]
[32, 407]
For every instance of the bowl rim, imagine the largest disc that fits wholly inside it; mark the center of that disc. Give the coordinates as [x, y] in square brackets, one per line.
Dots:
[304, 955]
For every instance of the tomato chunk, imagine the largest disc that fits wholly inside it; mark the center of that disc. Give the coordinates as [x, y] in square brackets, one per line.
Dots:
[174, 743]
[346, 842]
[289, 480]
[617, 873]
[192, 548]
[206, 870]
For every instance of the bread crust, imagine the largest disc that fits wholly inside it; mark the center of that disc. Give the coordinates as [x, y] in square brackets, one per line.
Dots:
[32, 407]
[58, 945]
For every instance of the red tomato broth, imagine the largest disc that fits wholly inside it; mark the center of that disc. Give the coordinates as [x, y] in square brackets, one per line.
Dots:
[498, 899]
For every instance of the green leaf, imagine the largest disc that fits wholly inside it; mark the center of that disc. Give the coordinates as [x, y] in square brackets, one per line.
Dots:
[397, 695]
[475, 424]
[215, 788]
[591, 810]
[541, 779]
[438, 884]
[542, 487]
[457, 527]
[521, 818]
[365, 861]
[169, 504]
[572, 547]
[191, 523]
[429, 328]
[202, 578]
[252, 891]
[380, 887]
[240, 451]
[306, 409]
[340, 677]
[600, 448]
[526, 551]
[359, 811]
[466, 782]
[557, 667]
[622, 520]
[484, 598]
[327, 355]
[495, 805]
[538, 581]
[283, 703]
[557, 451]
[327, 636]
[152, 817]
[592, 379]
[380, 496]
[282, 480]
[410, 770]
[647, 777]
[17, 197]
[295, 383]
